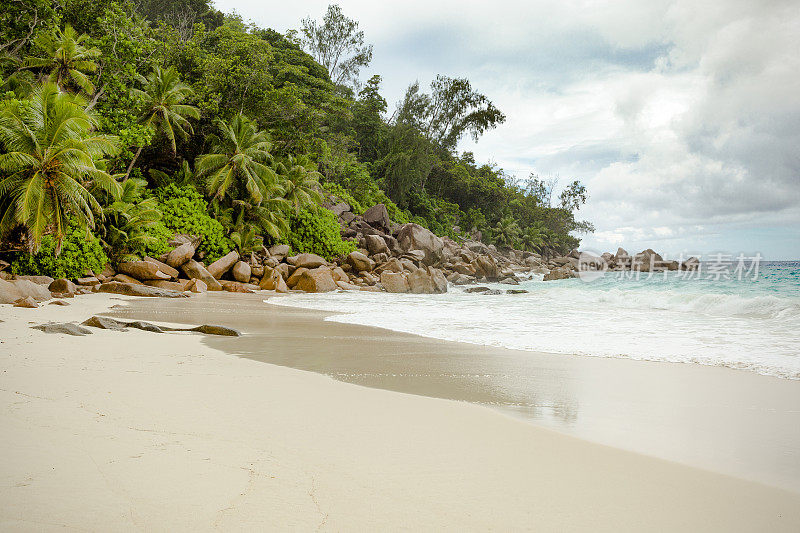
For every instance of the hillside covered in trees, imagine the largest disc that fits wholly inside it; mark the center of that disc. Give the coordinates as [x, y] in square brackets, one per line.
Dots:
[123, 123]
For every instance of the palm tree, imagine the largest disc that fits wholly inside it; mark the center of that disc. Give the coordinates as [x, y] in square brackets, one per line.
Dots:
[50, 164]
[238, 165]
[506, 232]
[128, 218]
[300, 182]
[161, 97]
[65, 58]
[533, 238]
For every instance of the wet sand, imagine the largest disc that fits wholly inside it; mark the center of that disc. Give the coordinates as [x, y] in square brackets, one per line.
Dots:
[729, 421]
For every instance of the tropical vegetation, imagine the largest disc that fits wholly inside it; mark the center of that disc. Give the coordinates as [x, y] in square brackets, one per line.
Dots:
[128, 122]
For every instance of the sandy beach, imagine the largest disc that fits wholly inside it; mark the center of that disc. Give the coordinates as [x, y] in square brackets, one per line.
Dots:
[168, 432]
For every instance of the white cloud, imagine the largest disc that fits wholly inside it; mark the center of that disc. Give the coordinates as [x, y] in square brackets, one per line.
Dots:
[677, 114]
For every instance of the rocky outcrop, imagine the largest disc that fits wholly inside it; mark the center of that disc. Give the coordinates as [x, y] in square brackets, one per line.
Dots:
[13, 290]
[142, 270]
[62, 287]
[396, 282]
[306, 261]
[39, 280]
[414, 237]
[242, 272]
[130, 289]
[376, 244]
[279, 251]
[179, 255]
[485, 266]
[223, 264]
[195, 270]
[557, 274]
[360, 262]
[316, 280]
[273, 281]
[378, 217]
[163, 267]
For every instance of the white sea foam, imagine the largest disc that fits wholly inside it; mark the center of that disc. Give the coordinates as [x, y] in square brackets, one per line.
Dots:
[677, 322]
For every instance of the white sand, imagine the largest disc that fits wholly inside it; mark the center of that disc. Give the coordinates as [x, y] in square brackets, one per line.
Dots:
[140, 431]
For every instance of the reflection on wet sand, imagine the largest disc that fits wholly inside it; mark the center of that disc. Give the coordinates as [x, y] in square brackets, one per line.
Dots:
[730, 421]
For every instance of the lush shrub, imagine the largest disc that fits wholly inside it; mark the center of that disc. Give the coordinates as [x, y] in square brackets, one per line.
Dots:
[185, 211]
[80, 251]
[317, 232]
[344, 195]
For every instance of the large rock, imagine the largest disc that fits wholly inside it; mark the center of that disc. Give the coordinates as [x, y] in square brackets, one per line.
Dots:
[486, 266]
[195, 270]
[292, 280]
[692, 263]
[558, 273]
[273, 281]
[360, 262]
[376, 244]
[142, 270]
[306, 261]
[279, 251]
[236, 286]
[178, 256]
[420, 282]
[62, 286]
[166, 284]
[39, 280]
[242, 272]
[377, 216]
[394, 281]
[130, 289]
[317, 280]
[439, 280]
[340, 208]
[163, 267]
[124, 278]
[13, 290]
[223, 264]
[414, 237]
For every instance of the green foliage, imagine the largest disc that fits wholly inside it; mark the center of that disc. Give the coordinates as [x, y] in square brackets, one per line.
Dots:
[80, 251]
[50, 164]
[337, 45]
[132, 226]
[64, 60]
[185, 211]
[238, 163]
[344, 195]
[317, 232]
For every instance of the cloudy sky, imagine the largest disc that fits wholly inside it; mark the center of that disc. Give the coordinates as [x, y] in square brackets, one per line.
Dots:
[682, 117]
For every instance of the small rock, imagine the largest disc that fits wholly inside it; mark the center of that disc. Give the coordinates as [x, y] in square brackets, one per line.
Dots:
[66, 329]
[477, 289]
[27, 302]
[58, 302]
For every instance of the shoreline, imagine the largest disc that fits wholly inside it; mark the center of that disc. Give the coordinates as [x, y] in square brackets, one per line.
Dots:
[716, 418]
[132, 430]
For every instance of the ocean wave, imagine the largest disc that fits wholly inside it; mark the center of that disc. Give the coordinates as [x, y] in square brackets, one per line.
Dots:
[680, 324]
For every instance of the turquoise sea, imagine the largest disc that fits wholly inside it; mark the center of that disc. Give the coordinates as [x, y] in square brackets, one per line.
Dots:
[744, 316]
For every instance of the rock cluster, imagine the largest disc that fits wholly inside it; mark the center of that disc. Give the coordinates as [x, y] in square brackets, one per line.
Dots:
[646, 261]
